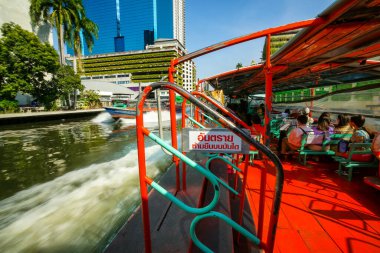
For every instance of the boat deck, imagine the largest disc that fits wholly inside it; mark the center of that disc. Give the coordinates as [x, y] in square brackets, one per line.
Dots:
[320, 210]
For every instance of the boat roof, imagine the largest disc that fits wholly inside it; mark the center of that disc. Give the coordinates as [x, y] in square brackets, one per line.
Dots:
[340, 46]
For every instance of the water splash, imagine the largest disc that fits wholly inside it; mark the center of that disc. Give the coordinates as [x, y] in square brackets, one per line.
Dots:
[77, 211]
[103, 117]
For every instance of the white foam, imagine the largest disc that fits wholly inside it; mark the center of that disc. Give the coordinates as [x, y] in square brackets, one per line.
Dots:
[103, 117]
[77, 210]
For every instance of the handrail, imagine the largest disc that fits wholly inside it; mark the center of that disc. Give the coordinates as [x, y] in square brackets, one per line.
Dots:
[213, 120]
[210, 176]
[223, 109]
[225, 123]
[225, 218]
[220, 180]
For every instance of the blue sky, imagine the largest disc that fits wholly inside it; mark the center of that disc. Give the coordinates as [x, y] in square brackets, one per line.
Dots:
[212, 21]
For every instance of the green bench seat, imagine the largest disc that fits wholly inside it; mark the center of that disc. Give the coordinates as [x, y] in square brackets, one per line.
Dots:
[358, 149]
[333, 140]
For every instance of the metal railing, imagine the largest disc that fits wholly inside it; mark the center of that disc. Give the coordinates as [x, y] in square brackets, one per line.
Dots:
[204, 212]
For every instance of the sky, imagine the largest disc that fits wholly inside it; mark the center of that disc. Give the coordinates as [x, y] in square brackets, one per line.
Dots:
[212, 21]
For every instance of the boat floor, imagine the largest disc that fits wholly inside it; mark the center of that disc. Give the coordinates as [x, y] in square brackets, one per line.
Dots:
[320, 210]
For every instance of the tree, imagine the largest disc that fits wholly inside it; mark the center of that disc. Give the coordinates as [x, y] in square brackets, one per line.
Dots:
[89, 31]
[91, 99]
[68, 82]
[239, 65]
[26, 65]
[61, 14]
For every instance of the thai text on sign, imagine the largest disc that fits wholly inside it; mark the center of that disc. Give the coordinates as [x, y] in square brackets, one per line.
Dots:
[213, 140]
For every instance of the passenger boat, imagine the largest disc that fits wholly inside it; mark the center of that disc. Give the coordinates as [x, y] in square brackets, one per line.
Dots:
[247, 199]
[127, 109]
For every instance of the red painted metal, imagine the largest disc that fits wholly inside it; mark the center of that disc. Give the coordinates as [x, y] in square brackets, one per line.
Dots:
[268, 92]
[173, 122]
[242, 192]
[224, 111]
[183, 124]
[249, 37]
[323, 21]
[235, 72]
[142, 175]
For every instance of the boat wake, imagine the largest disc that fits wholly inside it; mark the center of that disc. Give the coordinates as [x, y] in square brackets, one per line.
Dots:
[77, 211]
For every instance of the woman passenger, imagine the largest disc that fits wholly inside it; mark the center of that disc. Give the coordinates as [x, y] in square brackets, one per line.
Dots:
[323, 130]
[343, 125]
[360, 135]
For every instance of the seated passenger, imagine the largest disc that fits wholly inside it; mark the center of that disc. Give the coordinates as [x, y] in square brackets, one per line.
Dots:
[360, 135]
[306, 111]
[258, 117]
[324, 130]
[375, 147]
[293, 142]
[286, 113]
[343, 125]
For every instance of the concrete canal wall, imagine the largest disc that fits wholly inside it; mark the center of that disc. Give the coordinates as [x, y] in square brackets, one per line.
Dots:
[28, 117]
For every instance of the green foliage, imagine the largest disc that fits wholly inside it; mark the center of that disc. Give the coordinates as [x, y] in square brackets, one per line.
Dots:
[91, 99]
[67, 80]
[239, 65]
[8, 106]
[26, 64]
[64, 15]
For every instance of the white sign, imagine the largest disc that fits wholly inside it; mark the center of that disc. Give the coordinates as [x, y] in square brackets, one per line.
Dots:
[213, 140]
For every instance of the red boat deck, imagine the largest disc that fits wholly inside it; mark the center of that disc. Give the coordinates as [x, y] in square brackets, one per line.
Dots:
[320, 210]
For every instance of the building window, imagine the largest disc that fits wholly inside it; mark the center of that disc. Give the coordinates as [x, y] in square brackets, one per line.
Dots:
[148, 37]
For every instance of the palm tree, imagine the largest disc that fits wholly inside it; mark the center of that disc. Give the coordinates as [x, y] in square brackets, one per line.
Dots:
[239, 65]
[61, 14]
[86, 28]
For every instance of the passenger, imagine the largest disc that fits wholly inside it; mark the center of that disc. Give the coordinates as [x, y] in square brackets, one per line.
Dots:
[293, 142]
[323, 130]
[360, 135]
[375, 147]
[286, 113]
[258, 117]
[327, 115]
[306, 111]
[343, 125]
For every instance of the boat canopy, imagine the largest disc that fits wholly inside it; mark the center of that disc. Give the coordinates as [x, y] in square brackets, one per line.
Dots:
[340, 46]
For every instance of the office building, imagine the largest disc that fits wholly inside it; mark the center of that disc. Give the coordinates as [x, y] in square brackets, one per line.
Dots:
[130, 25]
[141, 67]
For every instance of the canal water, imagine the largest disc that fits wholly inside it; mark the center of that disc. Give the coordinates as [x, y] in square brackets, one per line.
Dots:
[69, 186]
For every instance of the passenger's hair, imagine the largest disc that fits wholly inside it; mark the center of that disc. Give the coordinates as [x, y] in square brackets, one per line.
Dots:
[287, 111]
[344, 120]
[358, 120]
[302, 119]
[325, 115]
[323, 123]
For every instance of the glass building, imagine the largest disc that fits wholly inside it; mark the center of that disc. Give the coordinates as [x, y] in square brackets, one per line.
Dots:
[126, 25]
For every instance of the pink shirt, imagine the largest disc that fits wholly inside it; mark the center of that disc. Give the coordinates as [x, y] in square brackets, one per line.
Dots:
[295, 136]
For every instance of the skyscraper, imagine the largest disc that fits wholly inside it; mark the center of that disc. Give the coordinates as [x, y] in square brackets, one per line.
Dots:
[126, 25]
